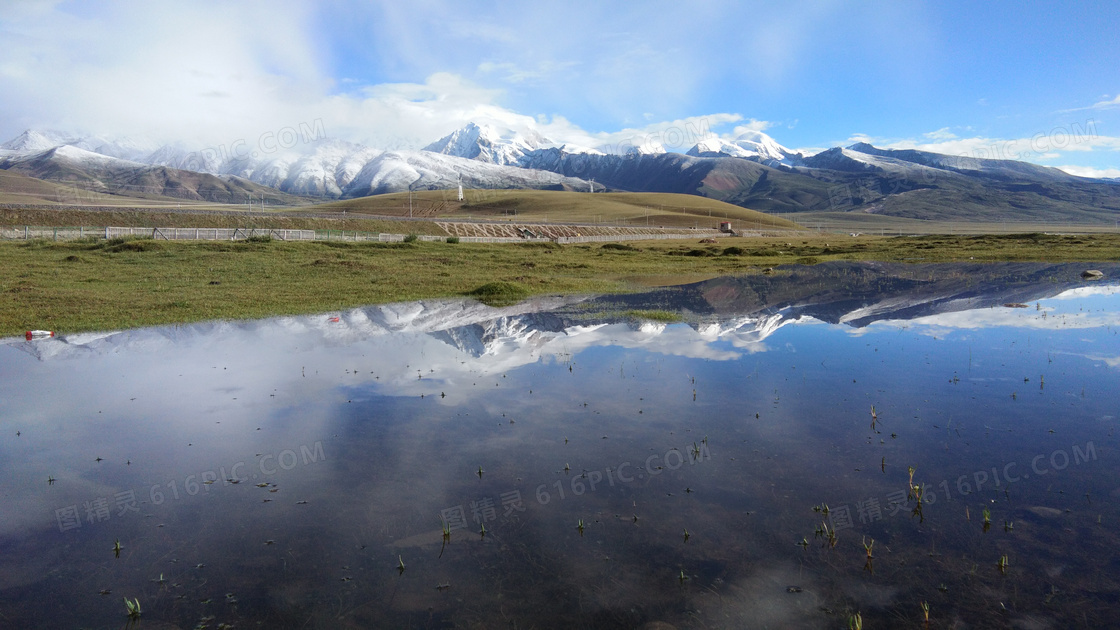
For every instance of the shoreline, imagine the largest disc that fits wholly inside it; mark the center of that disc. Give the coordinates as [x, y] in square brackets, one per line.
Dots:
[84, 286]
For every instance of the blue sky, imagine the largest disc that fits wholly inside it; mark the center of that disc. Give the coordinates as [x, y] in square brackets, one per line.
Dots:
[1037, 81]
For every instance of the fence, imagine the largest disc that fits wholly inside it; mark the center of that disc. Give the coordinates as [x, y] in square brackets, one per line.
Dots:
[165, 233]
[235, 234]
[635, 237]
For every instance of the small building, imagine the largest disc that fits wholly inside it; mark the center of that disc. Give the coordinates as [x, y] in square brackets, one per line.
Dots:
[725, 226]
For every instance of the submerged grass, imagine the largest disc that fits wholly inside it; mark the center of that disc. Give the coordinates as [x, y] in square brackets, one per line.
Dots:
[668, 317]
[119, 283]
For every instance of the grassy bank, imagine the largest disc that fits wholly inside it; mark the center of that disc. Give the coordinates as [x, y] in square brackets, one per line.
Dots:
[78, 286]
[124, 217]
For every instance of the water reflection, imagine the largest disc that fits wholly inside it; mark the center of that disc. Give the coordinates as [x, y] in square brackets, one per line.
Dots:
[354, 438]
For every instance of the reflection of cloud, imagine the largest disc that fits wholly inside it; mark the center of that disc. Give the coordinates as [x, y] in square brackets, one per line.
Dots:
[1112, 362]
[1109, 361]
[1080, 292]
[1001, 317]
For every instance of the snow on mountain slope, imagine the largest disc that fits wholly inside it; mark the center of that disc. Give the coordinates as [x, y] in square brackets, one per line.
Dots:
[998, 168]
[750, 145]
[173, 156]
[486, 143]
[853, 161]
[68, 155]
[321, 169]
[37, 141]
[396, 171]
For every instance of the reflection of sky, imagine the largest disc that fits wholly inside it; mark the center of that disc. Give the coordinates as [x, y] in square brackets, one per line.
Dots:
[146, 394]
[1096, 307]
[176, 401]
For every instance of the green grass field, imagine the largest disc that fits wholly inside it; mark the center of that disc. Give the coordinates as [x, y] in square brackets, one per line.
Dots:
[99, 285]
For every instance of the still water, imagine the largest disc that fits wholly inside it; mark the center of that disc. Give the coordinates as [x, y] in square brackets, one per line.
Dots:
[590, 466]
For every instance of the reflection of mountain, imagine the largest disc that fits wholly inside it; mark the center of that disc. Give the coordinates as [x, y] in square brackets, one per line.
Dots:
[858, 294]
[490, 337]
[740, 310]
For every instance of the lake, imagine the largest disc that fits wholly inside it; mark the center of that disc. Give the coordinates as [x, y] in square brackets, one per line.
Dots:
[768, 451]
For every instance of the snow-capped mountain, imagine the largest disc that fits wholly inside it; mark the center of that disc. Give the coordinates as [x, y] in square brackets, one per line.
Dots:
[322, 168]
[752, 170]
[750, 145]
[396, 171]
[101, 173]
[36, 141]
[852, 160]
[966, 165]
[486, 143]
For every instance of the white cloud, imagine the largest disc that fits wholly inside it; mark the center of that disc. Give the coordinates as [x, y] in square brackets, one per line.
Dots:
[1107, 103]
[1079, 293]
[1050, 144]
[1089, 171]
[213, 74]
[943, 323]
[751, 125]
[942, 134]
[514, 73]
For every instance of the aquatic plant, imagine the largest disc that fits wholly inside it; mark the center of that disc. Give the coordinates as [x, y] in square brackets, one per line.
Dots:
[133, 608]
[855, 622]
[117, 548]
[1002, 565]
[831, 534]
[579, 526]
[400, 565]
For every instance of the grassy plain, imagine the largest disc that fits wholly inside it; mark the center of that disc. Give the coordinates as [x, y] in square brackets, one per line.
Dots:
[653, 209]
[97, 285]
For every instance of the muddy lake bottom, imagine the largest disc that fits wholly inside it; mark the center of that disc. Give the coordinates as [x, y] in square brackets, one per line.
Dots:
[795, 451]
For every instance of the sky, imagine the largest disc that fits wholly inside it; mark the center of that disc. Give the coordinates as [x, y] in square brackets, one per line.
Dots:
[1024, 80]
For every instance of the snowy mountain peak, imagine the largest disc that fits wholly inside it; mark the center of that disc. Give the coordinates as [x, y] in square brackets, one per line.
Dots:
[35, 141]
[750, 145]
[486, 143]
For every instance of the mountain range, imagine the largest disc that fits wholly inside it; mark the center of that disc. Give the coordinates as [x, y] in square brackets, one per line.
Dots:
[751, 170]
